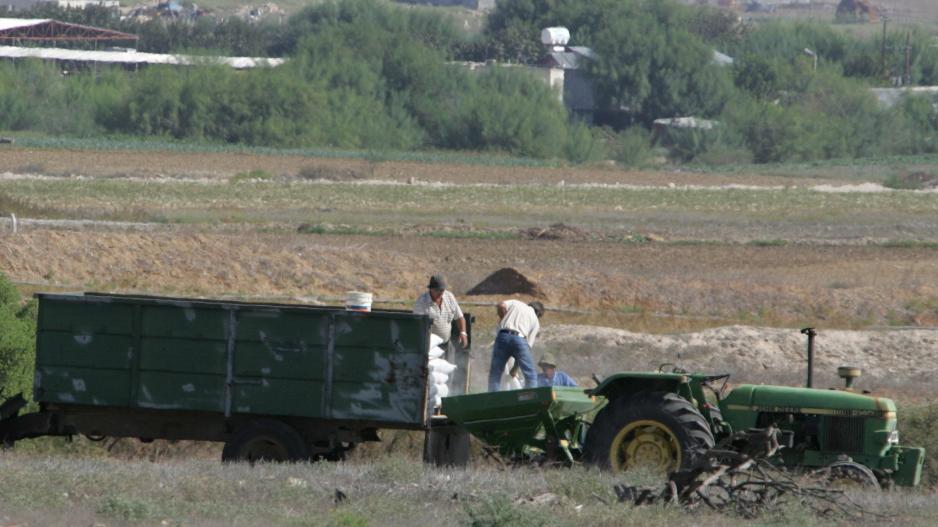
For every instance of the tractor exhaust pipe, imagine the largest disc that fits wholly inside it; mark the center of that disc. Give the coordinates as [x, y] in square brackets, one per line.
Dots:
[811, 333]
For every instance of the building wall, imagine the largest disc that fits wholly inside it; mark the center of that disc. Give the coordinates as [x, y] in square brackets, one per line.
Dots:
[81, 4]
[469, 4]
[17, 5]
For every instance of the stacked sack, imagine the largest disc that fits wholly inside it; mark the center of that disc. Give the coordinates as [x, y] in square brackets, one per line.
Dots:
[440, 370]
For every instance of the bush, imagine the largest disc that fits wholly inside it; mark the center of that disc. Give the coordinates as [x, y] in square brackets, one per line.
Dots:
[919, 427]
[17, 341]
[499, 511]
[823, 116]
[513, 112]
[632, 147]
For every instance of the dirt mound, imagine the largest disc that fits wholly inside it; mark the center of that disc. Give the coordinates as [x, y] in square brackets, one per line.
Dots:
[557, 231]
[507, 281]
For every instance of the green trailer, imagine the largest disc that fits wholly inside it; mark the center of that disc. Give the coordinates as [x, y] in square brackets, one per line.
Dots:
[292, 382]
[270, 380]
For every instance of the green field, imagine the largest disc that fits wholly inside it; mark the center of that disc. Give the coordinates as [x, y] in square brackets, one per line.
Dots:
[762, 214]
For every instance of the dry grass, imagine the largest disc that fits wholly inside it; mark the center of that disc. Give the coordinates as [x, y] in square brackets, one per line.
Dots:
[391, 491]
[650, 287]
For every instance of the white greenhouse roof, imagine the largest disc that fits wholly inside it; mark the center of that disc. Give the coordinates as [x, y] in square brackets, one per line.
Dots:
[133, 57]
[13, 23]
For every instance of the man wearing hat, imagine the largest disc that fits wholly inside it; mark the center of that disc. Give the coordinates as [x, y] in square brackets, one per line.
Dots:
[550, 375]
[441, 306]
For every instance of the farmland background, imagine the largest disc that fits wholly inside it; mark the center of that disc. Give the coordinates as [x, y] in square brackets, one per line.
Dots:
[817, 208]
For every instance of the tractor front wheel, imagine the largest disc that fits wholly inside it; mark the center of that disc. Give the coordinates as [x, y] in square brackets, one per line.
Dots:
[655, 431]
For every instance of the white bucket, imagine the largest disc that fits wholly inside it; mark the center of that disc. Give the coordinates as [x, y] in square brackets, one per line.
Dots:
[358, 301]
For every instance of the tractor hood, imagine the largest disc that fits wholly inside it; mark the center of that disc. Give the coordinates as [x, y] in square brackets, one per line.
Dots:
[784, 399]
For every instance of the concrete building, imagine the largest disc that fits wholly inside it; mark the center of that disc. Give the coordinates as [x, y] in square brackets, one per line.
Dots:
[20, 5]
[478, 5]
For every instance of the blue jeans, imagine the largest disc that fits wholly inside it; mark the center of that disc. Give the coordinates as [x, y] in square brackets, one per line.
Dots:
[508, 345]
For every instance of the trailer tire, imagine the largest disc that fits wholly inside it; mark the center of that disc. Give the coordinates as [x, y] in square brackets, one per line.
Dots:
[265, 440]
[658, 430]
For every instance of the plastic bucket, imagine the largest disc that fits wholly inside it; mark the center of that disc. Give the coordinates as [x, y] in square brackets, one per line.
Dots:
[358, 301]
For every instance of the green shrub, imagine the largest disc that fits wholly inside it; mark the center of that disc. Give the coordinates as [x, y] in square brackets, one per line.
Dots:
[822, 116]
[499, 511]
[632, 147]
[122, 508]
[17, 341]
[910, 181]
[918, 426]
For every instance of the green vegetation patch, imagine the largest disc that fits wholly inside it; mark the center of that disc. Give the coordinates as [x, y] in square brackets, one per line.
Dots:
[17, 340]
[117, 198]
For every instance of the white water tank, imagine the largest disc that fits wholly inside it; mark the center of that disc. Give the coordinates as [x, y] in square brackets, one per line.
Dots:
[555, 36]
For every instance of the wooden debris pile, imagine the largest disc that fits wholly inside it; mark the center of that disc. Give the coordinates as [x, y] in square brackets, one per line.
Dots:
[744, 483]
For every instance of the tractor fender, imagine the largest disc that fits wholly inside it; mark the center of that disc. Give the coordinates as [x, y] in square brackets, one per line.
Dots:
[626, 384]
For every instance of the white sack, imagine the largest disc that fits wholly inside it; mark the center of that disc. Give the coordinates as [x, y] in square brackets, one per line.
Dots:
[442, 390]
[509, 381]
[436, 352]
[435, 340]
[438, 378]
[441, 366]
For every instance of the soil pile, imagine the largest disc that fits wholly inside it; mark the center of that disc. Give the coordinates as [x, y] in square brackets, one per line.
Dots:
[557, 231]
[507, 281]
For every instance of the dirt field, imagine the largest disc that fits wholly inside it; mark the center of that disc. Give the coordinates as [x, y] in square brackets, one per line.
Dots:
[720, 269]
[838, 286]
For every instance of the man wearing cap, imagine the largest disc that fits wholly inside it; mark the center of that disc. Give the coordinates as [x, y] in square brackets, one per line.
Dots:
[441, 306]
[550, 375]
[518, 325]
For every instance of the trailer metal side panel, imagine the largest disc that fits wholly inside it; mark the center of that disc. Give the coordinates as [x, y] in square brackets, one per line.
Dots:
[232, 357]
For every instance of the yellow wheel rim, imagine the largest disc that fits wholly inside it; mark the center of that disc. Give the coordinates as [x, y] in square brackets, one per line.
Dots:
[646, 443]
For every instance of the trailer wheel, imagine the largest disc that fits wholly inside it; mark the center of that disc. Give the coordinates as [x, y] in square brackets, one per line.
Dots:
[265, 440]
[656, 431]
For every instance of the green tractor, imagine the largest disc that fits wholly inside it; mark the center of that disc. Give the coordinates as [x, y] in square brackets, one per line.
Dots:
[665, 420]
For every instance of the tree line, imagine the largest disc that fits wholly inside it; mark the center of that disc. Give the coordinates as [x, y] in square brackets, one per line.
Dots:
[369, 74]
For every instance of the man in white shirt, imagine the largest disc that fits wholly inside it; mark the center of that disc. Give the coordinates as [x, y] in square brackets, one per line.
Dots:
[441, 306]
[518, 324]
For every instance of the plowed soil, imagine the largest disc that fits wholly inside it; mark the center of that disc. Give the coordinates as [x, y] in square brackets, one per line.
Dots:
[838, 285]
[612, 305]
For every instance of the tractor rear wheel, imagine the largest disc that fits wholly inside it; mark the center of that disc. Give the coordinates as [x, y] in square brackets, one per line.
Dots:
[656, 431]
[265, 440]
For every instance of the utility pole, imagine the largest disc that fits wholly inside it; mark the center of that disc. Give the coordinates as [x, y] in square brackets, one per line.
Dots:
[908, 59]
[883, 50]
